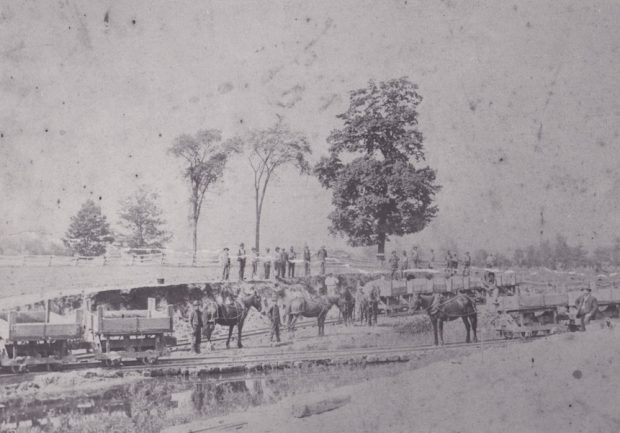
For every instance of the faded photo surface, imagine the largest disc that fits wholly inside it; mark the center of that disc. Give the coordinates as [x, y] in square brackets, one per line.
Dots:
[287, 216]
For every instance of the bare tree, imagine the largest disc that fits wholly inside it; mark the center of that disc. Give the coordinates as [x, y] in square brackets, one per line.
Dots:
[205, 157]
[269, 149]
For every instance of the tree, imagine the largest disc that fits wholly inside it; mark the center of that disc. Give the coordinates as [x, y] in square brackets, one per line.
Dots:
[89, 231]
[142, 217]
[383, 190]
[268, 150]
[205, 157]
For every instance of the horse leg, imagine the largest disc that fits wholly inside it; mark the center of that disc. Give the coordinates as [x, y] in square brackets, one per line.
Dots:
[230, 330]
[208, 332]
[440, 326]
[474, 324]
[239, 328]
[466, 322]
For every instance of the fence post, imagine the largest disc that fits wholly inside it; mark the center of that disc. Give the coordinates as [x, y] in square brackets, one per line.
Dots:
[50, 262]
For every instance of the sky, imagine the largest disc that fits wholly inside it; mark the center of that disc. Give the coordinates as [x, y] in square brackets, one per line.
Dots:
[520, 114]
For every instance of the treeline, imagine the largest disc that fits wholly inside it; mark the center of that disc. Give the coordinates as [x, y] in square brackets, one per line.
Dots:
[558, 254]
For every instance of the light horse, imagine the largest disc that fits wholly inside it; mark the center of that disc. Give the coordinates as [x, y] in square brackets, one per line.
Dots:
[450, 309]
[311, 308]
[230, 315]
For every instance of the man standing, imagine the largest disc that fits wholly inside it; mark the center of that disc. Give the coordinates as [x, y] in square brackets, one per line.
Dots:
[322, 255]
[587, 306]
[415, 257]
[431, 260]
[404, 264]
[291, 263]
[466, 264]
[267, 263]
[196, 324]
[225, 262]
[283, 261]
[254, 261]
[241, 257]
[374, 306]
[277, 269]
[394, 265]
[274, 316]
[307, 257]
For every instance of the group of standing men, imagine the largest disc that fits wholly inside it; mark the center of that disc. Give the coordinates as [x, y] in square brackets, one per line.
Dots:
[398, 265]
[283, 262]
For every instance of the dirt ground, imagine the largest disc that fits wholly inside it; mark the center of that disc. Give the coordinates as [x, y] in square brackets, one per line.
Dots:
[563, 383]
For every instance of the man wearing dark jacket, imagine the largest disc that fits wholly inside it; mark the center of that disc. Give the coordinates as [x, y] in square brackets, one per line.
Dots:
[195, 322]
[274, 316]
[283, 262]
[241, 257]
[587, 306]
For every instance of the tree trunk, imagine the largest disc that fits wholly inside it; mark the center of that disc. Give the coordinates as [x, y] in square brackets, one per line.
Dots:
[195, 241]
[257, 244]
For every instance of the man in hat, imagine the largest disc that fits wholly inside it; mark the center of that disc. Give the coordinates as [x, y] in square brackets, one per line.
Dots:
[283, 262]
[225, 262]
[267, 263]
[307, 257]
[587, 306]
[322, 255]
[277, 270]
[394, 260]
[254, 260]
[292, 255]
[274, 315]
[195, 322]
[241, 257]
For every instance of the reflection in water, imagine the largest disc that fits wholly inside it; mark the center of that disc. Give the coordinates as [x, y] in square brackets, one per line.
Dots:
[152, 404]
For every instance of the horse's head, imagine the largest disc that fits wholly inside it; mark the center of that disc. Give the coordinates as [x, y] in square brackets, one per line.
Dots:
[256, 301]
[417, 302]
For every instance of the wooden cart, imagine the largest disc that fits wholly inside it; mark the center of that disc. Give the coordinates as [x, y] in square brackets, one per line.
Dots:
[32, 338]
[144, 335]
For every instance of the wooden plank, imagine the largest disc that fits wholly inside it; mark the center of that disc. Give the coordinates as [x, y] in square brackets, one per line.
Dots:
[318, 406]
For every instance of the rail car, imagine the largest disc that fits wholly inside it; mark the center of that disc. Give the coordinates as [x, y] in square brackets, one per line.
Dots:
[525, 315]
[144, 335]
[29, 338]
[34, 338]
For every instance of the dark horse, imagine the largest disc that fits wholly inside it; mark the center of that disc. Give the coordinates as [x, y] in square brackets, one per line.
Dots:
[230, 315]
[449, 309]
[311, 308]
[347, 306]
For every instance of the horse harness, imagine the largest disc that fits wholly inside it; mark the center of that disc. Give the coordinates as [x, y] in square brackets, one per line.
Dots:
[440, 310]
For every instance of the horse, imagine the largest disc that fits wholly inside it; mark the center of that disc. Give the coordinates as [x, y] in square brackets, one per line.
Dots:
[347, 306]
[311, 308]
[230, 315]
[458, 306]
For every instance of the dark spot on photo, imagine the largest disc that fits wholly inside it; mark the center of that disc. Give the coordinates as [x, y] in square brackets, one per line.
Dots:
[577, 374]
[133, 22]
[106, 18]
[99, 197]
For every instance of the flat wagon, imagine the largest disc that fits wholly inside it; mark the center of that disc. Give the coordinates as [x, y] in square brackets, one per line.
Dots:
[29, 338]
[144, 335]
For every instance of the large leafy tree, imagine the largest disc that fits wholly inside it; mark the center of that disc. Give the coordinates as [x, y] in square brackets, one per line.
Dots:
[141, 216]
[376, 166]
[268, 150]
[89, 231]
[204, 156]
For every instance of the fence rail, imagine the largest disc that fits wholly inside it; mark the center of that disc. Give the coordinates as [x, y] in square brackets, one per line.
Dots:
[175, 259]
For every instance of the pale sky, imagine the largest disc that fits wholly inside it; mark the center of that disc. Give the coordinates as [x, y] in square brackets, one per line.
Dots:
[520, 113]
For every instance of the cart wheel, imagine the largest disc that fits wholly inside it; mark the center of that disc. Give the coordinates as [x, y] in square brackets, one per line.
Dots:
[149, 360]
[19, 369]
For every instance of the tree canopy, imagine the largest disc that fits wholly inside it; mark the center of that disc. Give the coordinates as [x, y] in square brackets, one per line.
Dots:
[89, 231]
[204, 156]
[375, 168]
[268, 150]
[141, 215]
